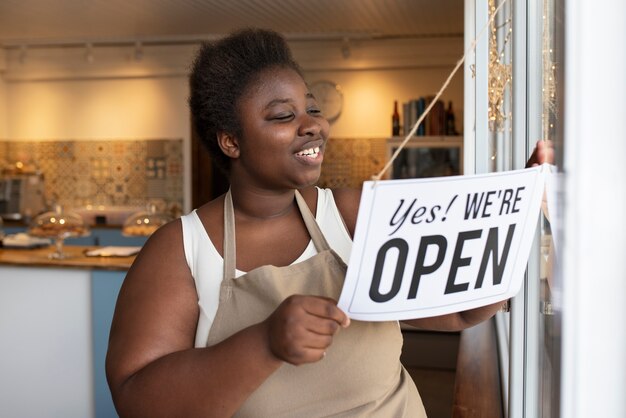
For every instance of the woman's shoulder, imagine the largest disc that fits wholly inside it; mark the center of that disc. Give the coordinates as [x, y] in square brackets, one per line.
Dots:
[162, 241]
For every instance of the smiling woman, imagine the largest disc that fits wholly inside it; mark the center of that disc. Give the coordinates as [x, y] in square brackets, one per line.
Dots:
[262, 334]
[231, 310]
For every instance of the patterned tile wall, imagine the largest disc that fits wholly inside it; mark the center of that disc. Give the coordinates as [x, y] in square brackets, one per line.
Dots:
[348, 162]
[112, 173]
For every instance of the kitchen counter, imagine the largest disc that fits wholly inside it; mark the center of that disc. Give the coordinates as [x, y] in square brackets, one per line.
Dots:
[39, 258]
[56, 317]
[9, 223]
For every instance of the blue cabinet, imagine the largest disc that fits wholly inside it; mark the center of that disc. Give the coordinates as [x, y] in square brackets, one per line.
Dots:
[105, 286]
[110, 236]
[13, 229]
[98, 236]
[107, 236]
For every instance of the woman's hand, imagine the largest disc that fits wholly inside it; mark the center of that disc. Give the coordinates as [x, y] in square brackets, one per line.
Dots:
[543, 153]
[302, 328]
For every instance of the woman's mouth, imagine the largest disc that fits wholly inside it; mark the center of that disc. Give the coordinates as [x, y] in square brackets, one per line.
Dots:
[311, 153]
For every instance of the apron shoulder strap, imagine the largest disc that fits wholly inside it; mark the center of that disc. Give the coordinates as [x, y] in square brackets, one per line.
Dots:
[229, 237]
[311, 225]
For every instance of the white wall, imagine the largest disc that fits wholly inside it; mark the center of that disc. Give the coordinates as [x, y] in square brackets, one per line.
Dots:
[157, 107]
[3, 110]
[55, 93]
[369, 97]
[594, 266]
[98, 109]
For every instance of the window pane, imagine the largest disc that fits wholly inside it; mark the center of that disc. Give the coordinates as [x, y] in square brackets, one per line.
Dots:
[552, 128]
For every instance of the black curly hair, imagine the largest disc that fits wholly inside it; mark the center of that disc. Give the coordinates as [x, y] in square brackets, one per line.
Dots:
[220, 75]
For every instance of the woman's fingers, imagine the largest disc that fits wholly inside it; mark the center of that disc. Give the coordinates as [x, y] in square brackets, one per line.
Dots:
[326, 308]
[302, 328]
[543, 153]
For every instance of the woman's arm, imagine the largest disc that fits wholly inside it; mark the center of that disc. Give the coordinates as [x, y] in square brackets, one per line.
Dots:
[457, 321]
[152, 366]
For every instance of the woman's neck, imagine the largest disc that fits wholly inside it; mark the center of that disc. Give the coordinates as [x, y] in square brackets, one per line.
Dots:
[261, 204]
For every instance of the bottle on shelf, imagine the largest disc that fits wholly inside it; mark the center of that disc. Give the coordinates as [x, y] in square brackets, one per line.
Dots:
[395, 120]
[450, 128]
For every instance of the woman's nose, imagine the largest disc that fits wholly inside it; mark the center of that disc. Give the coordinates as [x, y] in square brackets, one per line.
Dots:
[310, 125]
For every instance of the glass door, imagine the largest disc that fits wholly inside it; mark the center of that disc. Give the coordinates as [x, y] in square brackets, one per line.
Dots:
[515, 100]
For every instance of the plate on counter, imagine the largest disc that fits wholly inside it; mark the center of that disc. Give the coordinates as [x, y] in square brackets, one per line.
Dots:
[113, 251]
[25, 241]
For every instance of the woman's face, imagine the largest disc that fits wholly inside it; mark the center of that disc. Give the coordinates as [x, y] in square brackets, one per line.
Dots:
[283, 132]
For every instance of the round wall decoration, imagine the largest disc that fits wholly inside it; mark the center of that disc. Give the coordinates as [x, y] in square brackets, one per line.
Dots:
[330, 98]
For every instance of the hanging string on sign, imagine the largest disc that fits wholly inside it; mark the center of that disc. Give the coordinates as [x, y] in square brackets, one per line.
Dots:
[437, 96]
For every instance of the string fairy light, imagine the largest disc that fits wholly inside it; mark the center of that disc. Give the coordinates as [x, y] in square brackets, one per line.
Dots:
[549, 76]
[500, 73]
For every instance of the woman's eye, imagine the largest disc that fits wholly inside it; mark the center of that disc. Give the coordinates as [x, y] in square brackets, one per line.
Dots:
[283, 116]
[315, 111]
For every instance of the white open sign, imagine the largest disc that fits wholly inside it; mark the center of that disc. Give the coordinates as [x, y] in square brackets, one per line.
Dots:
[427, 247]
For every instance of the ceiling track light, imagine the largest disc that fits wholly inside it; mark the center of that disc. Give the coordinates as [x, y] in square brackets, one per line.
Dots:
[89, 57]
[138, 51]
[23, 53]
[346, 51]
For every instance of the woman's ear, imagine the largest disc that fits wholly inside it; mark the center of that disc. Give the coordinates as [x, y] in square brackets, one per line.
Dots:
[228, 144]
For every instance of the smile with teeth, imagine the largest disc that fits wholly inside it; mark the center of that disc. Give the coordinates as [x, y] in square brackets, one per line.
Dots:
[310, 153]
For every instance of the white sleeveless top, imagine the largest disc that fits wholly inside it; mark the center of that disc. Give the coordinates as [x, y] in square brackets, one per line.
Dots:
[207, 265]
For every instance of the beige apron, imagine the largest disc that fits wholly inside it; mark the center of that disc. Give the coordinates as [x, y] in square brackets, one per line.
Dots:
[361, 374]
